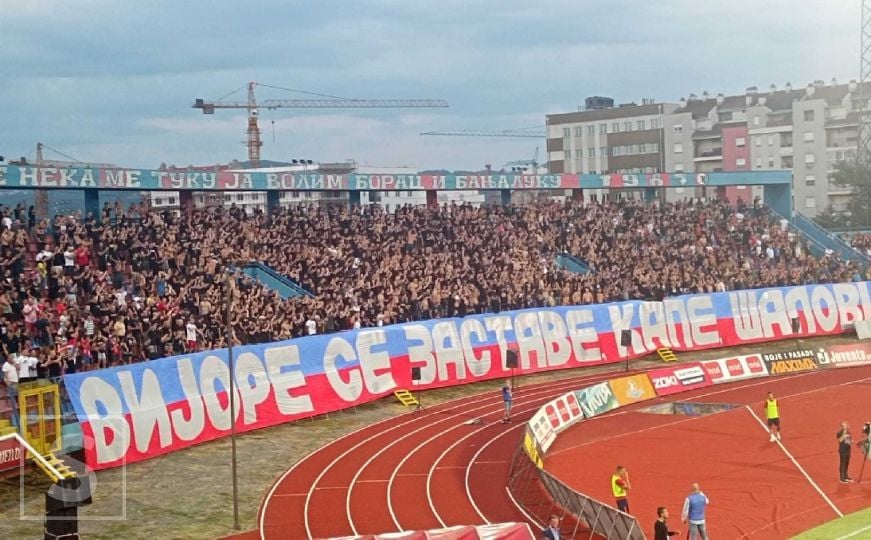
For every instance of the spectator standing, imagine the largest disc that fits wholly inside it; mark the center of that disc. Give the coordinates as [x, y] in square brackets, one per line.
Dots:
[620, 487]
[694, 513]
[660, 527]
[507, 399]
[772, 414]
[845, 443]
[311, 327]
[10, 373]
[28, 365]
[191, 332]
[552, 531]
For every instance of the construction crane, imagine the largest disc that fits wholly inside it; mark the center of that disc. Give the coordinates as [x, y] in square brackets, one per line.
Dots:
[530, 133]
[326, 102]
[525, 164]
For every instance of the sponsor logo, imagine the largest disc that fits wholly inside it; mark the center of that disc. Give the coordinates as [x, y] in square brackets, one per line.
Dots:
[634, 391]
[791, 366]
[691, 375]
[665, 381]
[563, 410]
[714, 370]
[574, 406]
[841, 355]
[754, 364]
[552, 416]
[734, 367]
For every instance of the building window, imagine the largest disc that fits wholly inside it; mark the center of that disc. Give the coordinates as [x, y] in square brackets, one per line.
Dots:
[678, 148]
[741, 162]
[771, 162]
[810, 158]
[677, 128]
[678, 167]
[758, 163]
[634, 149]
[655, 148]
[810, 202]
[808, 136]
[591, 129]
[755, 120]
[770, 140]
[640, 125]
[808, 116]
[615, 127]
[627, 126]
[739, 142]
[758, 141]
[567, 132]
[567, 154]
[603, 129]
[591, 152]
[603, 151]
[579, 154]
[654, 123]
[810, 180]
[725, 117]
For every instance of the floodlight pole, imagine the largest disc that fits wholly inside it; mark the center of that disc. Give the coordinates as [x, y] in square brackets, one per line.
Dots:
[228, 331]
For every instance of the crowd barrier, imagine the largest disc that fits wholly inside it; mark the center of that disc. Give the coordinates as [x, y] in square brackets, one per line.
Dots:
[135, 412]
[543, 495]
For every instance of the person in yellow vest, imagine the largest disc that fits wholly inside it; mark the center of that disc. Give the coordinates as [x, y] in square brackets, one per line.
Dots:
[620, 488]
[773, 416]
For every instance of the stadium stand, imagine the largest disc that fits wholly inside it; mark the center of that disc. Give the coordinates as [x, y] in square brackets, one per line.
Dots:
[81, 293]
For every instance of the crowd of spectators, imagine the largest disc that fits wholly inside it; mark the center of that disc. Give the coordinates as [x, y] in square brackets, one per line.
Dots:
[80, 293]
[862, 243]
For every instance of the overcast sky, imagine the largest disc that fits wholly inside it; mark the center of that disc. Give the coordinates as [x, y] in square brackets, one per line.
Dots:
[113, 80]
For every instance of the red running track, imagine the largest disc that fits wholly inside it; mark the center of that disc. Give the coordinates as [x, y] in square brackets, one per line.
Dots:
[423, 470]
[758, 489]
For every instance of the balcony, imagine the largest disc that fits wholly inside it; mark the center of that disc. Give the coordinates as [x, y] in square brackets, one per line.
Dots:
[714, 154]
[786, 150]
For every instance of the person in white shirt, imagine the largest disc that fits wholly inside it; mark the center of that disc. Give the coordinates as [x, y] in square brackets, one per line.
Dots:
[10, 373]
[311, 327]
[27, 364]
[191, 335]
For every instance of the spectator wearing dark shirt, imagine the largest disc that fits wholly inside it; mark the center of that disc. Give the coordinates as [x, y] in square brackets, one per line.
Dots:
[660, 527]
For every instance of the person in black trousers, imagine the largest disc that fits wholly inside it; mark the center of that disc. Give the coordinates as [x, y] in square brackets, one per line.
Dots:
[660, 528]
[845, 442]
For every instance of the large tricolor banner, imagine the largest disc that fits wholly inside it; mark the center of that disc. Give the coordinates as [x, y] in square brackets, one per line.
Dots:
[135, 412]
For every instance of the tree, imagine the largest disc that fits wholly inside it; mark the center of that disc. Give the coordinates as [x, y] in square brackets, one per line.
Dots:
[832, 219]
[856, 177]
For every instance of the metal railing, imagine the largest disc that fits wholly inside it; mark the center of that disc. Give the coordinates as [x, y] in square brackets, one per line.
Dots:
[542, 495]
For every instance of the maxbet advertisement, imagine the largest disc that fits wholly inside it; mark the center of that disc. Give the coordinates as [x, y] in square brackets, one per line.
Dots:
[790, 361]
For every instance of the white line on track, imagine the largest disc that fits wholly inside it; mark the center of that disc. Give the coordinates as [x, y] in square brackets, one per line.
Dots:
[494, 408]
[469, 473]
[460, 440]
[796, 463]
[475, 398]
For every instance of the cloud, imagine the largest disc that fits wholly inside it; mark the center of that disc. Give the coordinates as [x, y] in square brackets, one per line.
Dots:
[110, 84]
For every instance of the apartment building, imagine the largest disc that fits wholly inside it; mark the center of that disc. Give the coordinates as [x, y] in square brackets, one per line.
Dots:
[806, 130]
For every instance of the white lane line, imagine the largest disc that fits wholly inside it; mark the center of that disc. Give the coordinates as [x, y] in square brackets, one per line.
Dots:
[545, 395]
[523, 511]
[537, 405]
[796, 463]
[412, 419]
[854, 533]
[448, 406]
[469, 471]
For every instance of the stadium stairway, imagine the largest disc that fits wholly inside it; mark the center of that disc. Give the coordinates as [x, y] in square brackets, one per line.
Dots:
[824, 238]
[269, 278]
[571, 263]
